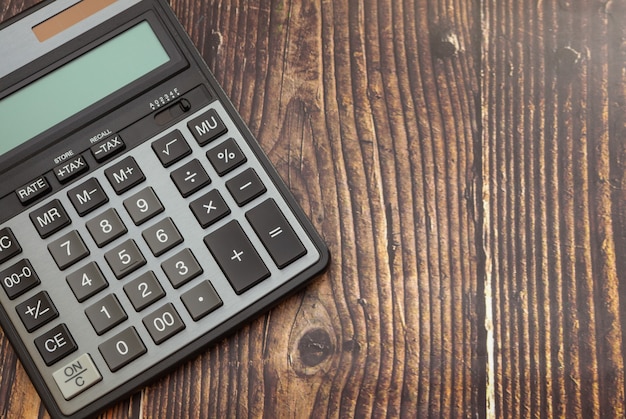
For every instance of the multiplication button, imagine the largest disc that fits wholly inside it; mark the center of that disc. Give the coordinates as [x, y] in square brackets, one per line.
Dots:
[77, 376]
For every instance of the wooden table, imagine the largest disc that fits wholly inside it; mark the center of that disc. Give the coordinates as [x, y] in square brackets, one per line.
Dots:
[466, 163]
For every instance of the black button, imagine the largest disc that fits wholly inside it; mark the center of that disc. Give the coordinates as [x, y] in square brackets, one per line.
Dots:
[55, 344]
[171, 148]
[50, 218]
[9, 246]
[201, 300]
[37, 311]
[106, 149]
[19, 278]
[276, 233]
[33, 190]
[124, 175]
[190, 178]
[207, 127]
[237, 257]
[69, 170]
[226, 157]
[245, 187]
[87, 197]
[210, 208]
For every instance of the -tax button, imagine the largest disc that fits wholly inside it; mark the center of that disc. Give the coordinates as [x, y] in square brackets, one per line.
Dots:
[9, 247]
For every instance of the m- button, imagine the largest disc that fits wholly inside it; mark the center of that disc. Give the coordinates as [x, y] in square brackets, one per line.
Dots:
[9, 246]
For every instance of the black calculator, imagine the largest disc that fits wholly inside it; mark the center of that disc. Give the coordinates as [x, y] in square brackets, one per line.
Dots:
[139, 219]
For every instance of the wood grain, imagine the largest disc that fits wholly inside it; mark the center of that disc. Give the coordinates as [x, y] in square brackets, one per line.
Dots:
[465, 162]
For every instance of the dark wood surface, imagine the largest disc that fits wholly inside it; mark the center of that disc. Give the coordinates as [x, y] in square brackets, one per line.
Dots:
[466, 163]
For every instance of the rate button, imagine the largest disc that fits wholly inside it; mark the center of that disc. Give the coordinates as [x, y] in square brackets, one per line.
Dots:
[33, 190]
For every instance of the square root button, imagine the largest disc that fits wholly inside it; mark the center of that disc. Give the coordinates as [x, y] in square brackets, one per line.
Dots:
[77, 376]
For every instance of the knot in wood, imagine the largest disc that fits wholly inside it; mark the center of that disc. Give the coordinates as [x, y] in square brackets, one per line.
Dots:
[315, 347]
[445, 43]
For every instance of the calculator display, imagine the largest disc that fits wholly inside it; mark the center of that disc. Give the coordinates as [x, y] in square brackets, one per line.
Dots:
[79, 84]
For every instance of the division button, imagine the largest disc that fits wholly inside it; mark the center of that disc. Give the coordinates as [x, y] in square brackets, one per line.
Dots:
[122, 349]
[190, 178]
[124, 175]
[207, 127]
[237, 257]
[19, 278]
[50, 218]
[171, 148]
[68, 249]
[276, 233]
[9, 246]
[87, 197]
[55, 344]
[210, 208]
[108, 148]
[37, 311]
[201, 300]
[245, 187]
[33, 190]
[77, 376]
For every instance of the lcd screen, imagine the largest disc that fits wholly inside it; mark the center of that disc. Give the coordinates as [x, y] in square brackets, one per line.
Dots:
[79, 84]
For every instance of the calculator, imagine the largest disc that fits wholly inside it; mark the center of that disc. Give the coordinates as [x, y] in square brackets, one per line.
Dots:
[139, 219]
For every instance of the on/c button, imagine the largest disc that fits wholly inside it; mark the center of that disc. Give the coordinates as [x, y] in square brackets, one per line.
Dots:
[77, 376]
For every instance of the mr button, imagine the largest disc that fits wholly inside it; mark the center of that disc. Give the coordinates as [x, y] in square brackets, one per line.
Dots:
[9, 247]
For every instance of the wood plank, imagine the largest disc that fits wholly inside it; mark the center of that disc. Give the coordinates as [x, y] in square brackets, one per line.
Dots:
[553, 224]
[369, 111]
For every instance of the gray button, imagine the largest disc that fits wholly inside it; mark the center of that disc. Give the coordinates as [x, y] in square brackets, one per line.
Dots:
[181, 268]
[144, 291]
[125, 259]
[50, 218]
[122, 349]
[68, 250]
[163, 323]
[106, 314]
[143, 206]
[87, 281]
[106, 227]
[201, 300]
[162, 236]
[76, 376]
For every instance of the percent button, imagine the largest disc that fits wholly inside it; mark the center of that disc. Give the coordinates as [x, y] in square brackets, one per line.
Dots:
[226, 157]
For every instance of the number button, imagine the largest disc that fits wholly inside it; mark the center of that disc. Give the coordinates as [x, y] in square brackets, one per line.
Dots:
[122, 349]
[144, 291]
[162, 237]
[87, 282]
[68, 250]
[106, 227]
[181, 268]
[106, 314]
[143, 206]
[163, 323]
[125, 259]
[37, 311]
[19, 278]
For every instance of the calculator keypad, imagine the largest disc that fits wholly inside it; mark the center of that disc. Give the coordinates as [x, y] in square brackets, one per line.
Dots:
[159, 246]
